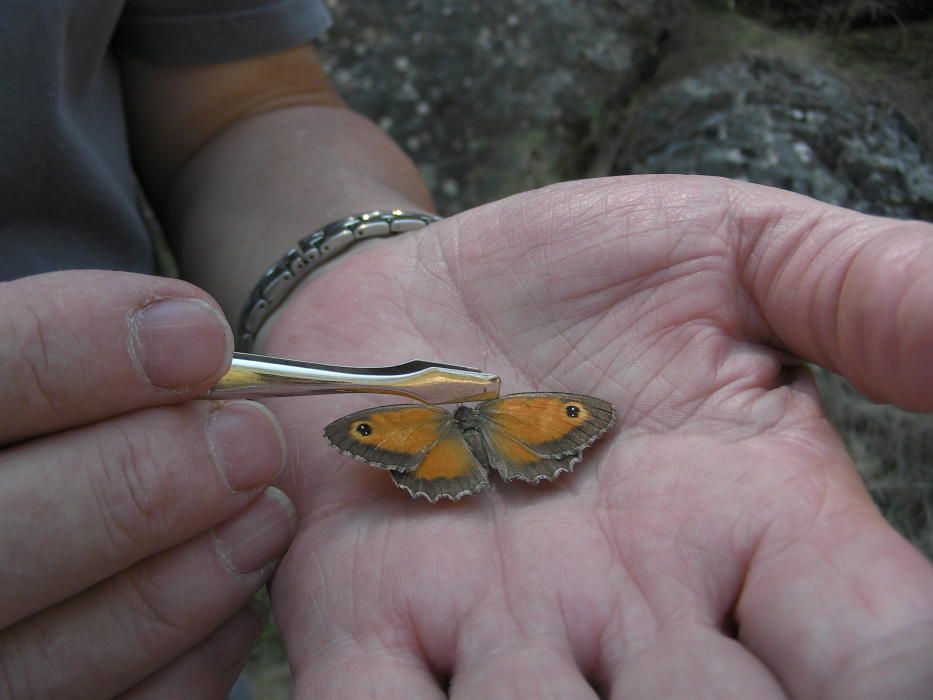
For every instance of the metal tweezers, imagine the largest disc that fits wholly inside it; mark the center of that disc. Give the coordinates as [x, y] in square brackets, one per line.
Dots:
[259, 376]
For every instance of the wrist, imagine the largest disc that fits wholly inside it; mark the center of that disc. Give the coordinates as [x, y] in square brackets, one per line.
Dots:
[263, 183]
[312, 252]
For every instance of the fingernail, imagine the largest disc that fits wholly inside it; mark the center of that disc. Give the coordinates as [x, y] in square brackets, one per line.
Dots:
[180, 342]
[246, 443]
[258, 535]
[230, 644]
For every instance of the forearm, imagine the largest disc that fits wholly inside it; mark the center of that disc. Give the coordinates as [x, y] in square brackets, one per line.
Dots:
[242, 159]
[252, 191]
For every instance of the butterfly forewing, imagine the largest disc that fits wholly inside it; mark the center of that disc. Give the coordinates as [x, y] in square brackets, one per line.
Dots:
[545, 424]
[392, 437]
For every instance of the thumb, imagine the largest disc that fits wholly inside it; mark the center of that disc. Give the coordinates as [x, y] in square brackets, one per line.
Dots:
[848, 291]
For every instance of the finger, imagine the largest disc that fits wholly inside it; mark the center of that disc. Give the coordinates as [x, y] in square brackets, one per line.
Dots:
[354, 669]
[76, 347]
[841, 607]
[211, 668]
[106, 639]
[691, 662]
[88, 502]
[526, 670]
[848, 291]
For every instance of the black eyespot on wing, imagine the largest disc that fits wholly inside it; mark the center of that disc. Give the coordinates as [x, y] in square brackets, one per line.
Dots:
[390, 437]
[548, 424]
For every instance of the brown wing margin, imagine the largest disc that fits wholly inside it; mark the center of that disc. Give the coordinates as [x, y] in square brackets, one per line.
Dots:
[534, 469]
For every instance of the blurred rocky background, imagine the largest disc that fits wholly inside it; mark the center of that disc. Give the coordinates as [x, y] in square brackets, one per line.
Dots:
[831, 99]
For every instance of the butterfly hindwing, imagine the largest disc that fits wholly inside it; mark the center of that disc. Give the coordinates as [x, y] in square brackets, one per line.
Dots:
[532, 470]
[391, 437]
[537, 436]
[448, 470]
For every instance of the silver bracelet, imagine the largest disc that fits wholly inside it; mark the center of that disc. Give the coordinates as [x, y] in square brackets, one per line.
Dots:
[310, 253]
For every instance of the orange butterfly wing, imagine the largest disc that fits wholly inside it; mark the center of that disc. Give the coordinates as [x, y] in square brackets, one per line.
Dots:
[421, 446]
[449, 470]
[537, 436]
[390, 437]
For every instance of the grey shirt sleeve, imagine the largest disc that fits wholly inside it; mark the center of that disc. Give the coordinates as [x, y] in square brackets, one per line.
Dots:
[189, 32]
[67, 192]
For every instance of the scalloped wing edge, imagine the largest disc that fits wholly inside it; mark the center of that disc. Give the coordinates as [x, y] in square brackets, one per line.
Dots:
[483, 486]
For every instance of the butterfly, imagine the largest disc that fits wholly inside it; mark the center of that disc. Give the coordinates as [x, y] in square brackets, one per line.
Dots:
[434, 453]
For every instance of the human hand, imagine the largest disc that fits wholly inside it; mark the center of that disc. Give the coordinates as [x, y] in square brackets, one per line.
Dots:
[717, 543]
[134, 525]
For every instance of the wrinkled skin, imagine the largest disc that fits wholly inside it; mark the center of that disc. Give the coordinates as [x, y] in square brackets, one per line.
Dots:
[716, 543]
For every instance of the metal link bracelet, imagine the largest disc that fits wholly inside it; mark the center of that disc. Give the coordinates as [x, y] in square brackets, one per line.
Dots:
[310, 253]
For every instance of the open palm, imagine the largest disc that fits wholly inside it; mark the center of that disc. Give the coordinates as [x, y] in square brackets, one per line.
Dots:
[717, 543]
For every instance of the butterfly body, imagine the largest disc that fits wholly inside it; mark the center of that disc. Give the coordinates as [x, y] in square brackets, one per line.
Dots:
[434, 453]
[467, 422]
